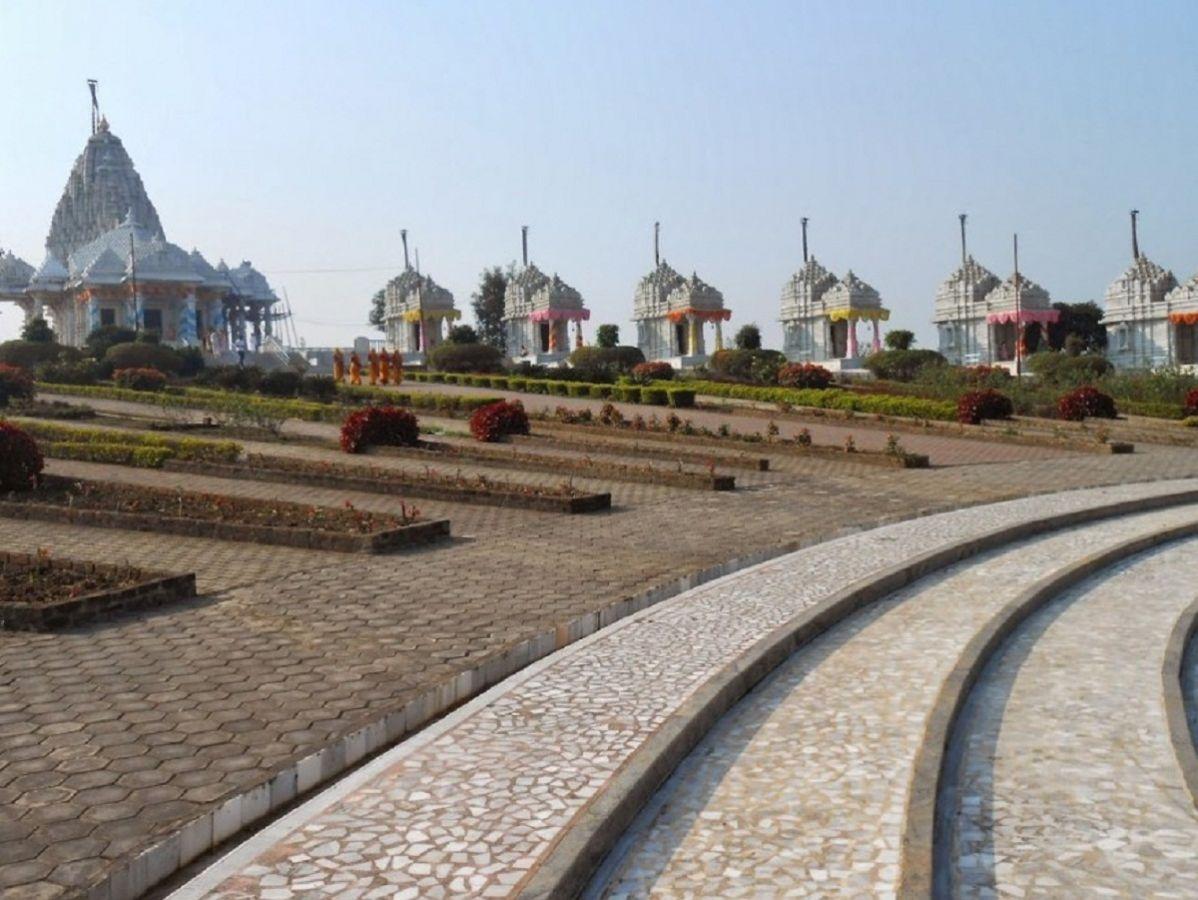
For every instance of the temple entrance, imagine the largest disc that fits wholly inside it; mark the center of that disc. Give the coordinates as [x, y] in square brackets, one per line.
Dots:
[415, 337]
[1003, 336]
[838, 339]
[1186, 337]
[108, 316]
[151, 320]
[680, 338]
[543, 335]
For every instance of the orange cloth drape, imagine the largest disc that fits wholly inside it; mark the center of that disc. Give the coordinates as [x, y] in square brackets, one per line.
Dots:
[1184, 318]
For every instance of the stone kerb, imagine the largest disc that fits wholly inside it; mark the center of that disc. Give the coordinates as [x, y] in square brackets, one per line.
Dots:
[1172, 675]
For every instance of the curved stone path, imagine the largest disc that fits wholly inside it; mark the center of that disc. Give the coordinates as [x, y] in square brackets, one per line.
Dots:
[475, 805]
[802, 790]
[1068, 781]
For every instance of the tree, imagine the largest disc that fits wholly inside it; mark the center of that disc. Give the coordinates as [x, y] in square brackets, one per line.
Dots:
[1081, 319]
[38, 331]
[100, 339]
[748, 338]
[378, 310]
[607, 335]
[899, 339]
[488, 305]
[462, 334]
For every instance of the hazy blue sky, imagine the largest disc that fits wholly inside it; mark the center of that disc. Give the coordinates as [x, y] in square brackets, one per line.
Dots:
[302, 136]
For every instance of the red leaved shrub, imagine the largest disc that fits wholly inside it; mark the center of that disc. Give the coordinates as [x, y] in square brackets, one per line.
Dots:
[20, 460]
[643, 373]
[1086, 403]
[974, 406]
[145, 379]
[987, 374]
[15, 384]
[1191, 402]
[388, 426]
[497, 420]
[804, 375]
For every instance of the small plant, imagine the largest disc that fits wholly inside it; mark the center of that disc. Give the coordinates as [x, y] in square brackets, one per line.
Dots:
[139, 379]
[610, 416]
[15, 384]
[975, 406]
[850, 446]
[724, 430]
[20, 460]
[498, 420]
[1086, 403]
[772, 430]
[803, 438]
[804, 375]
[893, 447]
[379, 425]
[673, 422]
[647, 372]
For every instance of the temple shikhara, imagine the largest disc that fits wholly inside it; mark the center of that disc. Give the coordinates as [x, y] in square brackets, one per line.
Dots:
[981, 320]
[1151, 320]
[671, 311]
[537, 312]
[108, 262]
[820, 315]
[417, 311]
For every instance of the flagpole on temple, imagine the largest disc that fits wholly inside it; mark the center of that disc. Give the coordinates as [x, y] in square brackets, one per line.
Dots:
[1018, 317]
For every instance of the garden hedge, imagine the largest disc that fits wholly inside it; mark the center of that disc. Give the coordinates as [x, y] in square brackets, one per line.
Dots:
[834, 398]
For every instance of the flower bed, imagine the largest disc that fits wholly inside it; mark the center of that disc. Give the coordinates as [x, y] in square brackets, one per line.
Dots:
[430, 486]
[833, 398]
[1084, 403]
[38, 593]
[678, 397]
[66, 442]
[630, 444]
[379, 426]
[498, 421]
[975, 406]
[21, 461]
[193, 514]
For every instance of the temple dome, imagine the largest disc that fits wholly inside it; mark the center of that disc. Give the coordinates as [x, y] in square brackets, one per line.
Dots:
[653, 291]
[1142, 282]
[153, 258]
[851, 292]
[970, 281]
[249, 283]
[695, 293]
[1031, 295]
[15, 273]
[805, 287]
[102, 189]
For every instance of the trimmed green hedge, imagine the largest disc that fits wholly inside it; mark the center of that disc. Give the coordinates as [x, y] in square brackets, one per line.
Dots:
[118, 454]
[660, 393]
[1153, 410]
[834, 398]
[175, 447]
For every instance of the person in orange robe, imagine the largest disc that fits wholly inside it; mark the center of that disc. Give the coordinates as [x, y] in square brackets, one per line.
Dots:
[338, 366]
[372, 362]
[397, 368]
[384, 367]
[355, 369]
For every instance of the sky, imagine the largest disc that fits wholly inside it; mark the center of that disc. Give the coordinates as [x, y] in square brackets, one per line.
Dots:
[302, 136]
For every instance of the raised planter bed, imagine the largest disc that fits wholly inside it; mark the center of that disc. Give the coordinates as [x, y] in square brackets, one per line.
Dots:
[620, 442]
[373, 480]
[38, 593]
[901, 460]
[138, 508]
[439, 451]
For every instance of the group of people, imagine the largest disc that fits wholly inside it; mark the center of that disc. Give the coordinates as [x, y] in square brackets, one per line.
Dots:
[382, 367]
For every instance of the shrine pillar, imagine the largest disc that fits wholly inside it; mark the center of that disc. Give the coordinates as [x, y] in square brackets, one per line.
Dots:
[719, 335]
[877, 336]
[187, 335]
[693, 336]
[852, 338]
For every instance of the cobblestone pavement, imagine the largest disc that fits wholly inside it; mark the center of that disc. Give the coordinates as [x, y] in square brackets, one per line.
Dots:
[474, 808]
[1069, 782]
[112, 734]
[802, 789]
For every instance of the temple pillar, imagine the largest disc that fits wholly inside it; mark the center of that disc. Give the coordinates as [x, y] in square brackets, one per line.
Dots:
[852, 338]
[877, 336]
[693, 337]
[578, 334]
[187, 335]
[719, 335]
[38, 310]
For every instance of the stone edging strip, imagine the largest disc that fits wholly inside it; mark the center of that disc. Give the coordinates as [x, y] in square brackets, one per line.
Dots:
[923, 866]
[1175, 706]
[567, 869]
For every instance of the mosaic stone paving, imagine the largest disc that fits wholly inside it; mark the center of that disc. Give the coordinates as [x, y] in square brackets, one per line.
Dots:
[1069, 782]
[473, 808]
[802, 789]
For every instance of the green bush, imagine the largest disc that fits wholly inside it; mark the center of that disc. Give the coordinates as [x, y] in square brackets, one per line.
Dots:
[902, 365]
[1190, 422]
[834, 398]
[536, 386]
[117, 454]
[578, 389]
[747, 364]
[100, 339]
[559, 388]
[280, 383]
[142, 379]
[499, 382]
[656, 396]
[1063, 370]
[465, 358]
[516, 383]
[15, 384]
[31, 354]
[138, 355]
[629, 393]
[600, 391]
[85, 371]
[180, 448]
[681, 398]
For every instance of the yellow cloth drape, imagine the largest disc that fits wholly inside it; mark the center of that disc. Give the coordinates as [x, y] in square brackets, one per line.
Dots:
[873, 315]
[415, 315]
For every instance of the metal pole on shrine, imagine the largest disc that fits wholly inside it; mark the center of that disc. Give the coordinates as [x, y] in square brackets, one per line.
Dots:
[1018, 317]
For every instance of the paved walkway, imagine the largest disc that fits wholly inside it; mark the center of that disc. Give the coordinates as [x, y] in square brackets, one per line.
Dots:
[1069, 782]
[473, 806]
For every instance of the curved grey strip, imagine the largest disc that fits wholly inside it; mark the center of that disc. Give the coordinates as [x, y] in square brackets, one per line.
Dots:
[1173, 673]
[924, 863]
[579, 851]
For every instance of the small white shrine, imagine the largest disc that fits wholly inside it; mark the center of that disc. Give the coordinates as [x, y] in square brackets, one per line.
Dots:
[537, 312]
[820, 316]
[1151, 320]
[670, 313]
[417, 311]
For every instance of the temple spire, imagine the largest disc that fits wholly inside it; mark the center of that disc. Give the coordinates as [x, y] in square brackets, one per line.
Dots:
[803, 223]
[524, 243]
[656, 244]
[91, 86]
[1135, 239]
[964, 255]
[403, 236]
